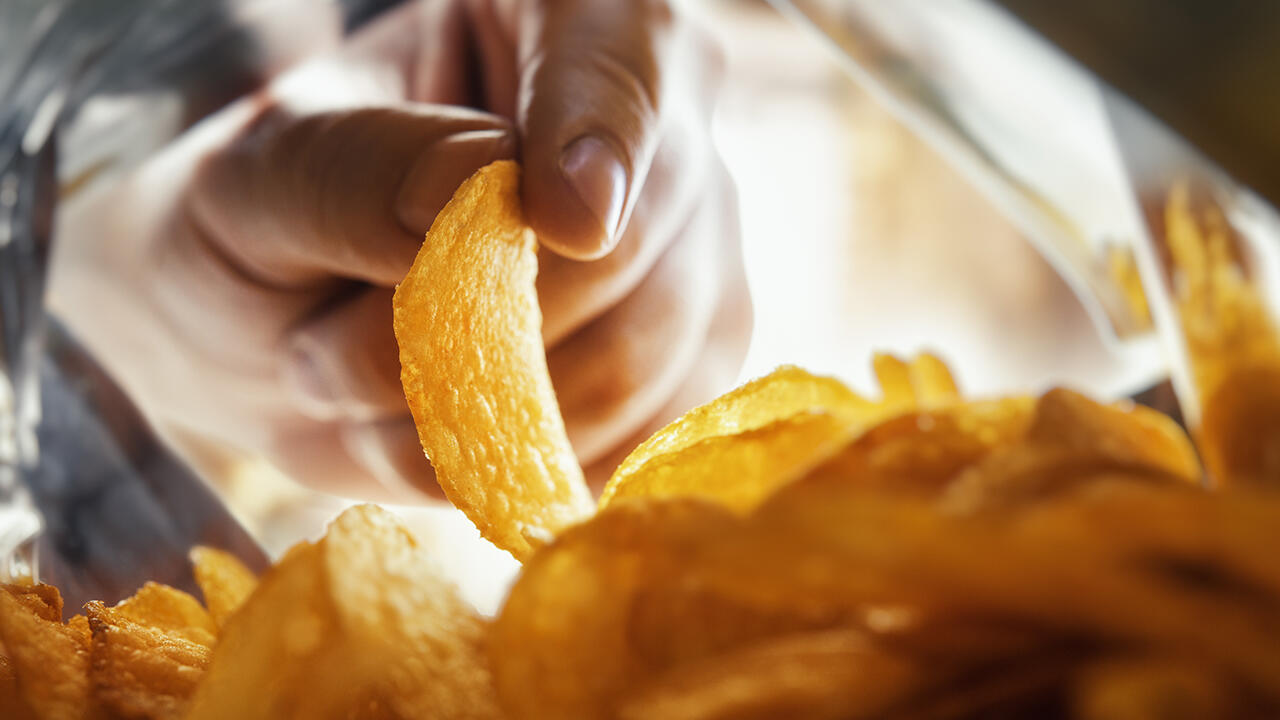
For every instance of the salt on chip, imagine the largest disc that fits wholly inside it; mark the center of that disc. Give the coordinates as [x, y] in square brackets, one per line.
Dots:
[224, 581]
[357, 620]
[474, 368]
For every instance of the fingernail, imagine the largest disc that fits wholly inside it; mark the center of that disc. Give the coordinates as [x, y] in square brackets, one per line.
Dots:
[593, 169]
[306, 381]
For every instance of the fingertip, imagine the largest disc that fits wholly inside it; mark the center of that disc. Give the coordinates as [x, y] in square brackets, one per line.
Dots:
[576, 205]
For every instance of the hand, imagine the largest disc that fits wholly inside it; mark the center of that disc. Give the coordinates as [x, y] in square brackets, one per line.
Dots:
[239, 284]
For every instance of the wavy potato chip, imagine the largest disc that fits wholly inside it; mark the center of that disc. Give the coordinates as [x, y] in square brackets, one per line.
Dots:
[43, 600]
[739, 470]
[924, 381]
[12, 705]
[50, 659]
[922, 451]
[168, 610]
[358, 624]
[224, 581]
[1071, 440]
[475, 371]
[746, 444]
[563, 646]
[1144, 687]
[932, 382]
[141, 670]
[829, 674]
[804, 412]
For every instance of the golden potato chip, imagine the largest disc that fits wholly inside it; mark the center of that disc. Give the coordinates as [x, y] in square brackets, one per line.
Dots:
[827, 674]
[43, 600]
[894, 377]
[778, 395]
[1232, 342]
[1139, 688]
[224, 581]
[475, 371]
[12, 706]
[1239, 433]
[1026, 688]
[144, 671]
[931, 381]
[563, 645]
[739, 470]
[802, 414]
[344, 626]
[744, 445]
[1072, 439]
[166, 609]
[922, 451]
[51, 660]
[1117, 558]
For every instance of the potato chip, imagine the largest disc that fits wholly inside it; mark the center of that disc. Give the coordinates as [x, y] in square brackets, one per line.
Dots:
[739, 470]
[43, 600]
[931, 381]
[894, 377]
[778, 395]
[1072, 439]
[475, 372]
[744, 445]
[563, 645]
[1120, 559]
[342, 627]
[1140, 688]
[1239, 433]
[168, 610]
[51, 660]
[224, 581]
[1232, 341]
[12, 706]
[1026, 688]
[146, 671]
[787, 420]
[833, 674]
[922, 451]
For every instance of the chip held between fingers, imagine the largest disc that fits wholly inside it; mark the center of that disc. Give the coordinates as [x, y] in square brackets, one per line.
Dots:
[475, 371]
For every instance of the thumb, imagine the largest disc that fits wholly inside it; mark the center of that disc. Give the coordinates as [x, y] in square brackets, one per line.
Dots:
[590, 89]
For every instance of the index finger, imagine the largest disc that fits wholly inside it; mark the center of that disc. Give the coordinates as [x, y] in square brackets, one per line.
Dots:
[297, 200]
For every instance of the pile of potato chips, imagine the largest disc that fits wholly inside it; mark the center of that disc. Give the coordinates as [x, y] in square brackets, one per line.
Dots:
[789, 550]
[915, 557]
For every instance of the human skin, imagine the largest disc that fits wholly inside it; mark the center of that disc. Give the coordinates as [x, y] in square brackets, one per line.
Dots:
[239, 283]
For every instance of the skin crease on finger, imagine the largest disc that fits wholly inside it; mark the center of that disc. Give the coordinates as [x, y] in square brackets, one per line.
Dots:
[201, 278]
